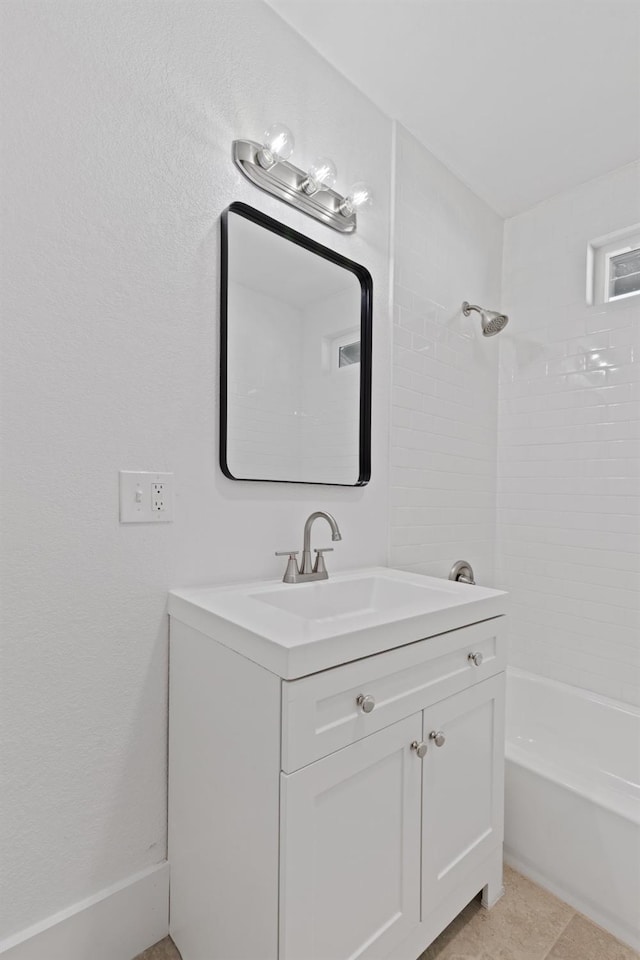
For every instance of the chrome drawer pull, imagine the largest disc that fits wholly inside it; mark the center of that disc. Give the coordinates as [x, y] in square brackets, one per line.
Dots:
[438, 737]
[475, 658]
[420, 748]
[366, 703]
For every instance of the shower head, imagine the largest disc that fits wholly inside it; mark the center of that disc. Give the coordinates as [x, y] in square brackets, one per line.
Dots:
[491, 321]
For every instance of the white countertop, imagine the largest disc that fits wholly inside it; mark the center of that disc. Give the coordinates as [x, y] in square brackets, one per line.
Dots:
[248, 617]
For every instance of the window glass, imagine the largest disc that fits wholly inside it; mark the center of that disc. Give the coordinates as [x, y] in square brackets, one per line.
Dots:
[348, 354]
[624, 274]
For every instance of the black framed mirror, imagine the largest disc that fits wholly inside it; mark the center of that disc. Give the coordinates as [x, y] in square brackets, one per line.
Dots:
[295, 356]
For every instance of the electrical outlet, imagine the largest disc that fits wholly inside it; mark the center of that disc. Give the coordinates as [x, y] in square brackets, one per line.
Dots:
[146, 497]
[158, 503]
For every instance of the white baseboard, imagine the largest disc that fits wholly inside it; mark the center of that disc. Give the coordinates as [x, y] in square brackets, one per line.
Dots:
[116, 924]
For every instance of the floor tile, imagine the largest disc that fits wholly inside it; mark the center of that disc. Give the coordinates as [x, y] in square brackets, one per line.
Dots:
[165, 950]
[582, 940]
[524, 925]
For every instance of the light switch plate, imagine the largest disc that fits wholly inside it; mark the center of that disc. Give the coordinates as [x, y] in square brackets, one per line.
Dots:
[146, 497]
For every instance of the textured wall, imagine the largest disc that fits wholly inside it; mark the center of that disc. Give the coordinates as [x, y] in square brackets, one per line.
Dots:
[569, 444]
[448, 248]
[117, 127]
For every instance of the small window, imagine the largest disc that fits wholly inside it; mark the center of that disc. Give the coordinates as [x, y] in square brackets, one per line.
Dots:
[349, 354]
[613, 266]
[624, 274]
[341, 352]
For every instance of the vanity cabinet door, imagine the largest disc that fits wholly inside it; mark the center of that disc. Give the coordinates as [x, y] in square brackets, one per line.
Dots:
[350, 849]
[463, 787]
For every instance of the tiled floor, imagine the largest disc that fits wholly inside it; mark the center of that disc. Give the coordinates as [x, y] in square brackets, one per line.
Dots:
[527, 924]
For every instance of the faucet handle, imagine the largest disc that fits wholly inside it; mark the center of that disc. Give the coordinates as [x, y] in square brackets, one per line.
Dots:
[319, 565]
[291, 573]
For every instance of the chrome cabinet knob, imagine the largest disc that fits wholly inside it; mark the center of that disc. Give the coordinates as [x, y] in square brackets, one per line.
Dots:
[438, 737]
[420, 748]
[366, 703]
[476, 658]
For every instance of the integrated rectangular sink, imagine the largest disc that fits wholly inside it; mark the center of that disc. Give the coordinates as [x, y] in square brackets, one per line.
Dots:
[297, 629]
[331, 600]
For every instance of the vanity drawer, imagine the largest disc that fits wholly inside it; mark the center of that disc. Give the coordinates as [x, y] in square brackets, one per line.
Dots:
[321, 713]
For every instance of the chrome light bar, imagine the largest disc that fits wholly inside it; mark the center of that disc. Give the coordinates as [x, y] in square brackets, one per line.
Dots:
[286, 181]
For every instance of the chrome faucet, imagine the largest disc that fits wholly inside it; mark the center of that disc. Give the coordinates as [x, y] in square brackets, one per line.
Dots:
[306, 571]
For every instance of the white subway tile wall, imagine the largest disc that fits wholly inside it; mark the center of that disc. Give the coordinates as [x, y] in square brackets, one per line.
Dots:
[448, 248]
[568, 546]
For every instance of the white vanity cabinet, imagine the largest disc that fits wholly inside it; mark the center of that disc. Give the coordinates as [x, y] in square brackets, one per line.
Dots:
[375, 838]
[350, 849]
[462, 788]
[304, 824]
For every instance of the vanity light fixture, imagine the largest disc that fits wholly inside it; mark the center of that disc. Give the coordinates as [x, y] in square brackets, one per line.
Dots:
[359, 196]
[277, 146]
[267, 165]
[322, 173]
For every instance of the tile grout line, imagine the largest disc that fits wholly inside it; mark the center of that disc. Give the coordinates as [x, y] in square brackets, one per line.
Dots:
[561, 934]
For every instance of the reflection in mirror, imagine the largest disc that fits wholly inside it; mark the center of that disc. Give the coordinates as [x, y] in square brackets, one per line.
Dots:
[296, 356]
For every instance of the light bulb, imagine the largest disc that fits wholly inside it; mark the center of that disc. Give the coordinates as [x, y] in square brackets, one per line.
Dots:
[278, 144]
[322, 173]
[359, 195]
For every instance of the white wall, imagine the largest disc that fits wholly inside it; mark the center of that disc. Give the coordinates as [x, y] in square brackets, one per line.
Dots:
[569, 446]
[117, 127]
[448, 248]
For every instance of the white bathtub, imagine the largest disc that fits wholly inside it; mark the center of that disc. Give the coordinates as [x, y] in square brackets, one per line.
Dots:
[573, 798]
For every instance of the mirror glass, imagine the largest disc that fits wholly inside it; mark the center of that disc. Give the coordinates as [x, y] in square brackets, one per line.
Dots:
[295, 357]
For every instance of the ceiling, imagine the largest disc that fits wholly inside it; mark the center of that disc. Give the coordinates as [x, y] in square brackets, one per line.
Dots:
[521, 99]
